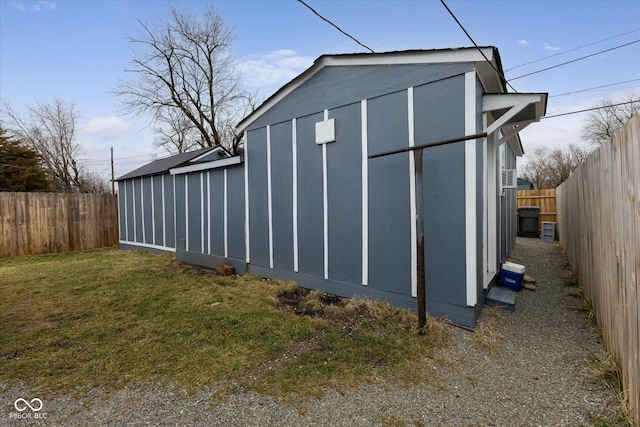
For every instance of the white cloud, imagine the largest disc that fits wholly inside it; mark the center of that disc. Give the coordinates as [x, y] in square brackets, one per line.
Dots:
[550, 48]
[107, 127]
[273, 69]
[524, 43]
[33, 6]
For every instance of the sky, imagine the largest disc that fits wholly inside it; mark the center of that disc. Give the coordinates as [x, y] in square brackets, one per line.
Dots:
[78, 51]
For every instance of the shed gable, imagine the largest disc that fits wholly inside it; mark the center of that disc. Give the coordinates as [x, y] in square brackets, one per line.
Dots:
[336, 86]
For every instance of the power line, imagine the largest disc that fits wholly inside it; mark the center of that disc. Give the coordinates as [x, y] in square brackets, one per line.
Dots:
[476, 45]
[589, 109]
[595, 87]
[571, 50]
[336, 27]
[574, 60]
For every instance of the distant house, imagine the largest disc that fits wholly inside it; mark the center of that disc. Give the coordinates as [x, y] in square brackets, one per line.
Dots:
[523, 184]
[305, 202]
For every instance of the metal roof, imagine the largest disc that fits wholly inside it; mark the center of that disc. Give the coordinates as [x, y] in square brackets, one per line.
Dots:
[163, 165]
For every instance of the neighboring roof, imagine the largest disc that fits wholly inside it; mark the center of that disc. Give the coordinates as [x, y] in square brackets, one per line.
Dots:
[163, 165]
[493, 81]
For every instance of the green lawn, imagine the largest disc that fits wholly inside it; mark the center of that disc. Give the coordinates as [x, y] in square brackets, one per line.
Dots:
[111, 318]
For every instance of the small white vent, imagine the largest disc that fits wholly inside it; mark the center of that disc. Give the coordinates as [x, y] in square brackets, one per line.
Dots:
[509, 178]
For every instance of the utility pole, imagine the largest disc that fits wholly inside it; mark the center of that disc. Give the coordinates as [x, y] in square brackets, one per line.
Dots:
[113, 179]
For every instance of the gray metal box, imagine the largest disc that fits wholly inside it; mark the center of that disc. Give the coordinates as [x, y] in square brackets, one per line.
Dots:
[548, 233]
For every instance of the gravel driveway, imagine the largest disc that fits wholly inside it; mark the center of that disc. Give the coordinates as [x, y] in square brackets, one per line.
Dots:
[533, 376]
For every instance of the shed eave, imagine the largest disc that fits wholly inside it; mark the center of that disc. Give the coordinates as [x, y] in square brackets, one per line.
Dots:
[214, 164]
[513, 112]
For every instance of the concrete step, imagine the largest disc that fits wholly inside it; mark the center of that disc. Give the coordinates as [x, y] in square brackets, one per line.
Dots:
[501, 297]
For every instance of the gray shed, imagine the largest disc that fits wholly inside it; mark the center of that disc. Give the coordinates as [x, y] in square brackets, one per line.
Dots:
[307, 203]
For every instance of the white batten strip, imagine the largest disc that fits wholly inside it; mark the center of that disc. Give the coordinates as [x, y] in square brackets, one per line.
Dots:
[412, 196]
[208, 212]
[202, 213]
[269, 197]
[225, 216]
[164, 216]
[144, 237]
[471, 232]
[247, 249]
[365, 194]
[175, 221]
[294, 157]
[135, 231]
[186, 212]
[126, 214]
[325, 205]
[153, 214]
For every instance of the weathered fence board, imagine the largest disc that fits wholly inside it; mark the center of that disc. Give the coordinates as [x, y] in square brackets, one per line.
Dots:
[545, 199]
[35, 223]
[599, 226]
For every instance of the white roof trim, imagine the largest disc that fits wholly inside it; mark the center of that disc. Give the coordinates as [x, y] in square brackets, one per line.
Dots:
[206, 165]
[386, 58]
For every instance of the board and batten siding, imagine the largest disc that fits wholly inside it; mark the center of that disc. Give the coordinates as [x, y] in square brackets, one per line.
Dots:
[198, 215]
[327, 217]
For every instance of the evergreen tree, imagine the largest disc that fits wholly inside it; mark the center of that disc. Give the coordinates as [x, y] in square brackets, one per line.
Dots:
[20, 167]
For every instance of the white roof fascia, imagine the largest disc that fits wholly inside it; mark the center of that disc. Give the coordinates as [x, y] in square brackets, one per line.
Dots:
[206, 165]
[386, 58]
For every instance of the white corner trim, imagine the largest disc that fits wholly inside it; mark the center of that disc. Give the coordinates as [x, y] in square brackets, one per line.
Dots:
[365, 194]
[412, 196]
[471, 231]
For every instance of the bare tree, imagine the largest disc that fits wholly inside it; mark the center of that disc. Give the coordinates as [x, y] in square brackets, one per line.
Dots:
[183, 66]
[49, 129]
[175, 132]
[93, 183]
[550, 168]
[609, 116]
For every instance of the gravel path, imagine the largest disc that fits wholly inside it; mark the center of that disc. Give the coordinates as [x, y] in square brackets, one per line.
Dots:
[533, 376]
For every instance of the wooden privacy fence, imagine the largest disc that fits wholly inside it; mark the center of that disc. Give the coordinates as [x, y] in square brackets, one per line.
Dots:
[599, 225]
[544, 199]
[35, 223]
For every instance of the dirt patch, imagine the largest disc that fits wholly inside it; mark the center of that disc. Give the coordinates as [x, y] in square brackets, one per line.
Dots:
[305, 302]
[191, 269]
[354, 313]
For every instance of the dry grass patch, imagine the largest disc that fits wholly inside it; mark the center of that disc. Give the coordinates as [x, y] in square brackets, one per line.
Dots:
[487, 336]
